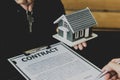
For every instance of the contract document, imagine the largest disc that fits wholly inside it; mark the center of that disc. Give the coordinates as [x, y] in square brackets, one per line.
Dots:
[58, 62]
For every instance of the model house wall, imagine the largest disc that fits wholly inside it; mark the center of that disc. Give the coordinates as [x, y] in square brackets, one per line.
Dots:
[76, 25]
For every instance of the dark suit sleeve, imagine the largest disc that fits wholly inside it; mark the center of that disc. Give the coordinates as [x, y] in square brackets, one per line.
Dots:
[5, 20]
[60, 7]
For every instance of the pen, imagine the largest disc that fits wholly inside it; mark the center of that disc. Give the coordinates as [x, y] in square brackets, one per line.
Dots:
[101, 75]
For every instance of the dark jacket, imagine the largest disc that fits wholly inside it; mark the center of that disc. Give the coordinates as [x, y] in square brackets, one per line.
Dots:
[14, 32]
[15, 37]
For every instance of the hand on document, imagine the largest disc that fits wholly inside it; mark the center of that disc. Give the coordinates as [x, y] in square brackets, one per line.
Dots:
[113, 70]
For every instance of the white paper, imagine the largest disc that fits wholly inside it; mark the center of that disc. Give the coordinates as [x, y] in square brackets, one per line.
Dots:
[56, 63]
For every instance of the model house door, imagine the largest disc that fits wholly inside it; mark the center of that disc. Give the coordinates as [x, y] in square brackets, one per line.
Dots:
[65, 29]
[87, 32]
[65, 34]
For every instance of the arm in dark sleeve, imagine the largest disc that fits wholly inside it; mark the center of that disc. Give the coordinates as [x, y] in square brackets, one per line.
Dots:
[60, 7]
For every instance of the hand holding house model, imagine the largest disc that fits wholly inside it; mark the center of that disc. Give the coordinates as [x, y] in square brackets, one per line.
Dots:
[75, 28]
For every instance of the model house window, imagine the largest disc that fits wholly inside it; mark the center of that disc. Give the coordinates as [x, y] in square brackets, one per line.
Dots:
[60, 23]
[81, 33]
[76, 35]
[65, 24]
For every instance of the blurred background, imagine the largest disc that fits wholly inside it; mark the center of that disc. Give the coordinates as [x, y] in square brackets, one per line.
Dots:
[106, 12]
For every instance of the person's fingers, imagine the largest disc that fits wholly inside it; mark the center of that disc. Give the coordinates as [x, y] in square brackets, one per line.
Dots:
[84, 44]
[115, 67]
[75, 47]
[21, 1]
[30, 1]
[30, 7]
[107, 77]
[110, 76]
[24, 7]
[114, 62]
[114, 77]
[111, 66]
[80, 46]
[24, 1]
[26, 4]
[107, 68]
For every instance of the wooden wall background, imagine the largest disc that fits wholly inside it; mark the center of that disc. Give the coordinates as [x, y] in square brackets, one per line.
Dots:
[106, 12]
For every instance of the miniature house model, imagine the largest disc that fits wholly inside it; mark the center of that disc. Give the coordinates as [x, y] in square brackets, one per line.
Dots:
[76, 27]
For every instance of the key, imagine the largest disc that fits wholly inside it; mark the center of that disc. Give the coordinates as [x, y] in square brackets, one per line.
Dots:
[30, 20]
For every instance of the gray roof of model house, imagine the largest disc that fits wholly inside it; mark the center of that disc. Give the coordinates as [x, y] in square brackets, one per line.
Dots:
[78, 20]
[81, 19]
